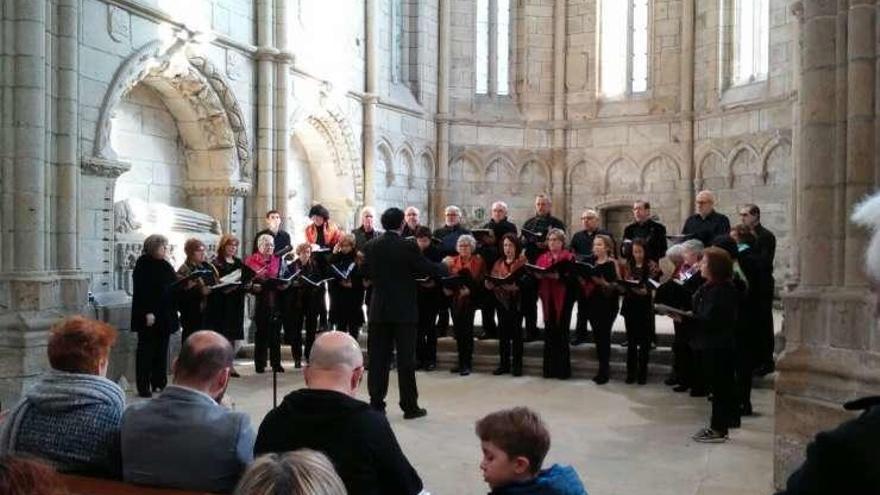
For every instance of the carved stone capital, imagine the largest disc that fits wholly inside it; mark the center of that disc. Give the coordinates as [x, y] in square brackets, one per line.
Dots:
[241, 189]
[266, 53]
[103, 167]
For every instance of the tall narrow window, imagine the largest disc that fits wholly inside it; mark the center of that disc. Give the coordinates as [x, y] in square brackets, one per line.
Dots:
[623, 47]
[493, 47]
[398, 41]
[751, 43]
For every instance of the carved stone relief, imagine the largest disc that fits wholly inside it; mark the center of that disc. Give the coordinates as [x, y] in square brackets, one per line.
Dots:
[234, 63]
[118, 23]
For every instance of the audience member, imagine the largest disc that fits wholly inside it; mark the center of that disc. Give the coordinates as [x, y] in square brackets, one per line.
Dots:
[847, 458]
[327, 417]
[514, 443]
[184, 438]
[26, 476]
[71, 416]
[303, 472]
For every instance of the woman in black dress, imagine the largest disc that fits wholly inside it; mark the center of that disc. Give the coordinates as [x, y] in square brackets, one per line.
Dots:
[153, 314]
[192, 294]
[638, 311]
[346, 290]
[304, 303]
[226, 305]
[603, 303]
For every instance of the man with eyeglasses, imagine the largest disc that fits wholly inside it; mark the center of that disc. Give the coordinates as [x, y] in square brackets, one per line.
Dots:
[645, 227]
[410, 221]
[706, 223]
[582, 246]
[750, 216]
[449, 233]
[499, 225]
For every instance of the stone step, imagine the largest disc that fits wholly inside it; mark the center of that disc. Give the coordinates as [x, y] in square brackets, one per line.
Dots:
[584, 361]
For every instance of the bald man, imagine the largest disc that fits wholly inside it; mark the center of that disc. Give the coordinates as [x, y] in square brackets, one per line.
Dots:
[706, 223]
[325, 416]
[184, 438]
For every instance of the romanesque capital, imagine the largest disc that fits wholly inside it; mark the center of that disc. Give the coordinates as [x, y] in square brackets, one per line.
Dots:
[103, 167]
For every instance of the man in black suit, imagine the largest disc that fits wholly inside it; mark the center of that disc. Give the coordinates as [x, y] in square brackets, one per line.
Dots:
[706, 224]
[273, 228]
[645, 227]
[392, 265]
[534, 235]
[750, 215]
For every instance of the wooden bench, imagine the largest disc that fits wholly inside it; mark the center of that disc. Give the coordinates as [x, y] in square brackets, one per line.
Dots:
[82, 485]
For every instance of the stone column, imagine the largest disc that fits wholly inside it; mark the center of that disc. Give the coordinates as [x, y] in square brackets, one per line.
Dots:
[441, 177]
[557, 177]
[370, 99]
[265, 194]
[282, 97]
[29, 195]
[67, 137]
[686, 80]
[832, 351]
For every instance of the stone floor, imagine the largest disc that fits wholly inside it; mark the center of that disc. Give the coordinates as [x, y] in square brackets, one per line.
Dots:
[622, 439]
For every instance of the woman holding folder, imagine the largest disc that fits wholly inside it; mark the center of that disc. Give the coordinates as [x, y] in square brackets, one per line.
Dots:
[196, 278]
[347, 289]
[305, 302]
[503, 283]
[603, 303]
[226, 304]
[556, 299]
[639, 279]
[466, 275]
[267, 311]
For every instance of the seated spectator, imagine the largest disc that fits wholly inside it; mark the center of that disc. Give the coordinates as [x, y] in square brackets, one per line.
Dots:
[303, 472]
[71, 417]
[515, 442]
[25, 476]
[184, 438]
[327, 417]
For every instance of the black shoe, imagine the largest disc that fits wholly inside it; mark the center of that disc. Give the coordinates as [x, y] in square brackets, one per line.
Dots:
[699, 393]
[501, 370]
[747, 410]
[625, 343]
[278, 369]
[157, 390]
[260, 370]
[642, 380]
[145, 394]
[630, 380]
[600, 379]
[234, 373]
[378, 409]
[430, 366]
[418, 412]
[681, 387]
[671, 381]
[736, 423]
[765, 369]
[297, 363]
[465, 372]
[516, 372]
[454, 369]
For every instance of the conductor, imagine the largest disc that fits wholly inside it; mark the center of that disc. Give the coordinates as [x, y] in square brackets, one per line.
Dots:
[392, 264]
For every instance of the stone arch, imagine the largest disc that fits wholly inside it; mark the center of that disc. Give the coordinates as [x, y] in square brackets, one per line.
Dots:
[385, 163]
[406, 158]
[500, 168]
[534, 164]
[209, 118]
[426, 167]
[769, 163]
[469, 156]
[744, 165]
[661, 172]
[622, 174]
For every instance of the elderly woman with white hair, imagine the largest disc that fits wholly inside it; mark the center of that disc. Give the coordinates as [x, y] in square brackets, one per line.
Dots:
[471, 269]
[267, 311]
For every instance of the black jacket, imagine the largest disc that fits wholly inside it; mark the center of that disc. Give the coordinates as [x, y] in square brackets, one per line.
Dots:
[843, 460]
[356, 438]
[766, 245]
[361, 237]
[715, 310]
[448, 237]
[654, 234]
[706, 229]
[153, 293]
[499, 229]
[392, 264]
[582, 242]
[542, 225]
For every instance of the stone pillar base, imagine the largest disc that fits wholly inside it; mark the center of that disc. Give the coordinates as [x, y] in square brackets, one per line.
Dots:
[832, 355]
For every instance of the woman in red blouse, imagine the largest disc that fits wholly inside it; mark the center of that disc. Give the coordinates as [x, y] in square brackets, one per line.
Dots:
[267, 313]
[554, 293]
[505, 288]
[464, 300]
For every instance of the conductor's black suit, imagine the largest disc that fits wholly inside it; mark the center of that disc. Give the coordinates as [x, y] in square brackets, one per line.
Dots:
[392, 264]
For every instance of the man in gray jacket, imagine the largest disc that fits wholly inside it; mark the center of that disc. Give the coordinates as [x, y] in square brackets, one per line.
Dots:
[183, 438]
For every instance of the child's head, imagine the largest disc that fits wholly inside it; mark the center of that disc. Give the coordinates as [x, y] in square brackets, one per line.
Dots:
[423, 237]
[514, 442]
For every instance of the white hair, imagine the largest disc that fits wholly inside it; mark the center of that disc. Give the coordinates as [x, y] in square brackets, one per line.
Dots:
[674, 251]
[467, 239]
[500, 204]
[265, 239]
[867, 215]
[590, 213]
[453, 209]
[707, 194]
[693, 245]
[411, 208]
[368, 209]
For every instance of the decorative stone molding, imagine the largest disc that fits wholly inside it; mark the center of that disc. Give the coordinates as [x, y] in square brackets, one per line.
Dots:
[118, 23]
[103, 167]
[234, 61]
[241, 190]
[147, 62]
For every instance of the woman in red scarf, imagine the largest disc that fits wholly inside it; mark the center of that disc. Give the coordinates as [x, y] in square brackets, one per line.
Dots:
[505, 288]
[470, 266]
[555, 301]
[267, 313]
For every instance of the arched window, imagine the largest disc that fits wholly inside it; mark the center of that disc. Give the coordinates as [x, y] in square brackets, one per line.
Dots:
[493, 47]
[624, 45]
[405, 43]
[750, 41]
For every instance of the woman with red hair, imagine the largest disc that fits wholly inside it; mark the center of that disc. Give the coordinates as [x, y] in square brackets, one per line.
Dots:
[72, 415]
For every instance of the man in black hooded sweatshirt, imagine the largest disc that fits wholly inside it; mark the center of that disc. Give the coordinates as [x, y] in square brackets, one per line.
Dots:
[328, 418]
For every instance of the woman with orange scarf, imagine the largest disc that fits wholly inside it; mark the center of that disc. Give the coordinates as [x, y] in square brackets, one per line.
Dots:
[504, 284]
[556, 302]
[470, 266]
